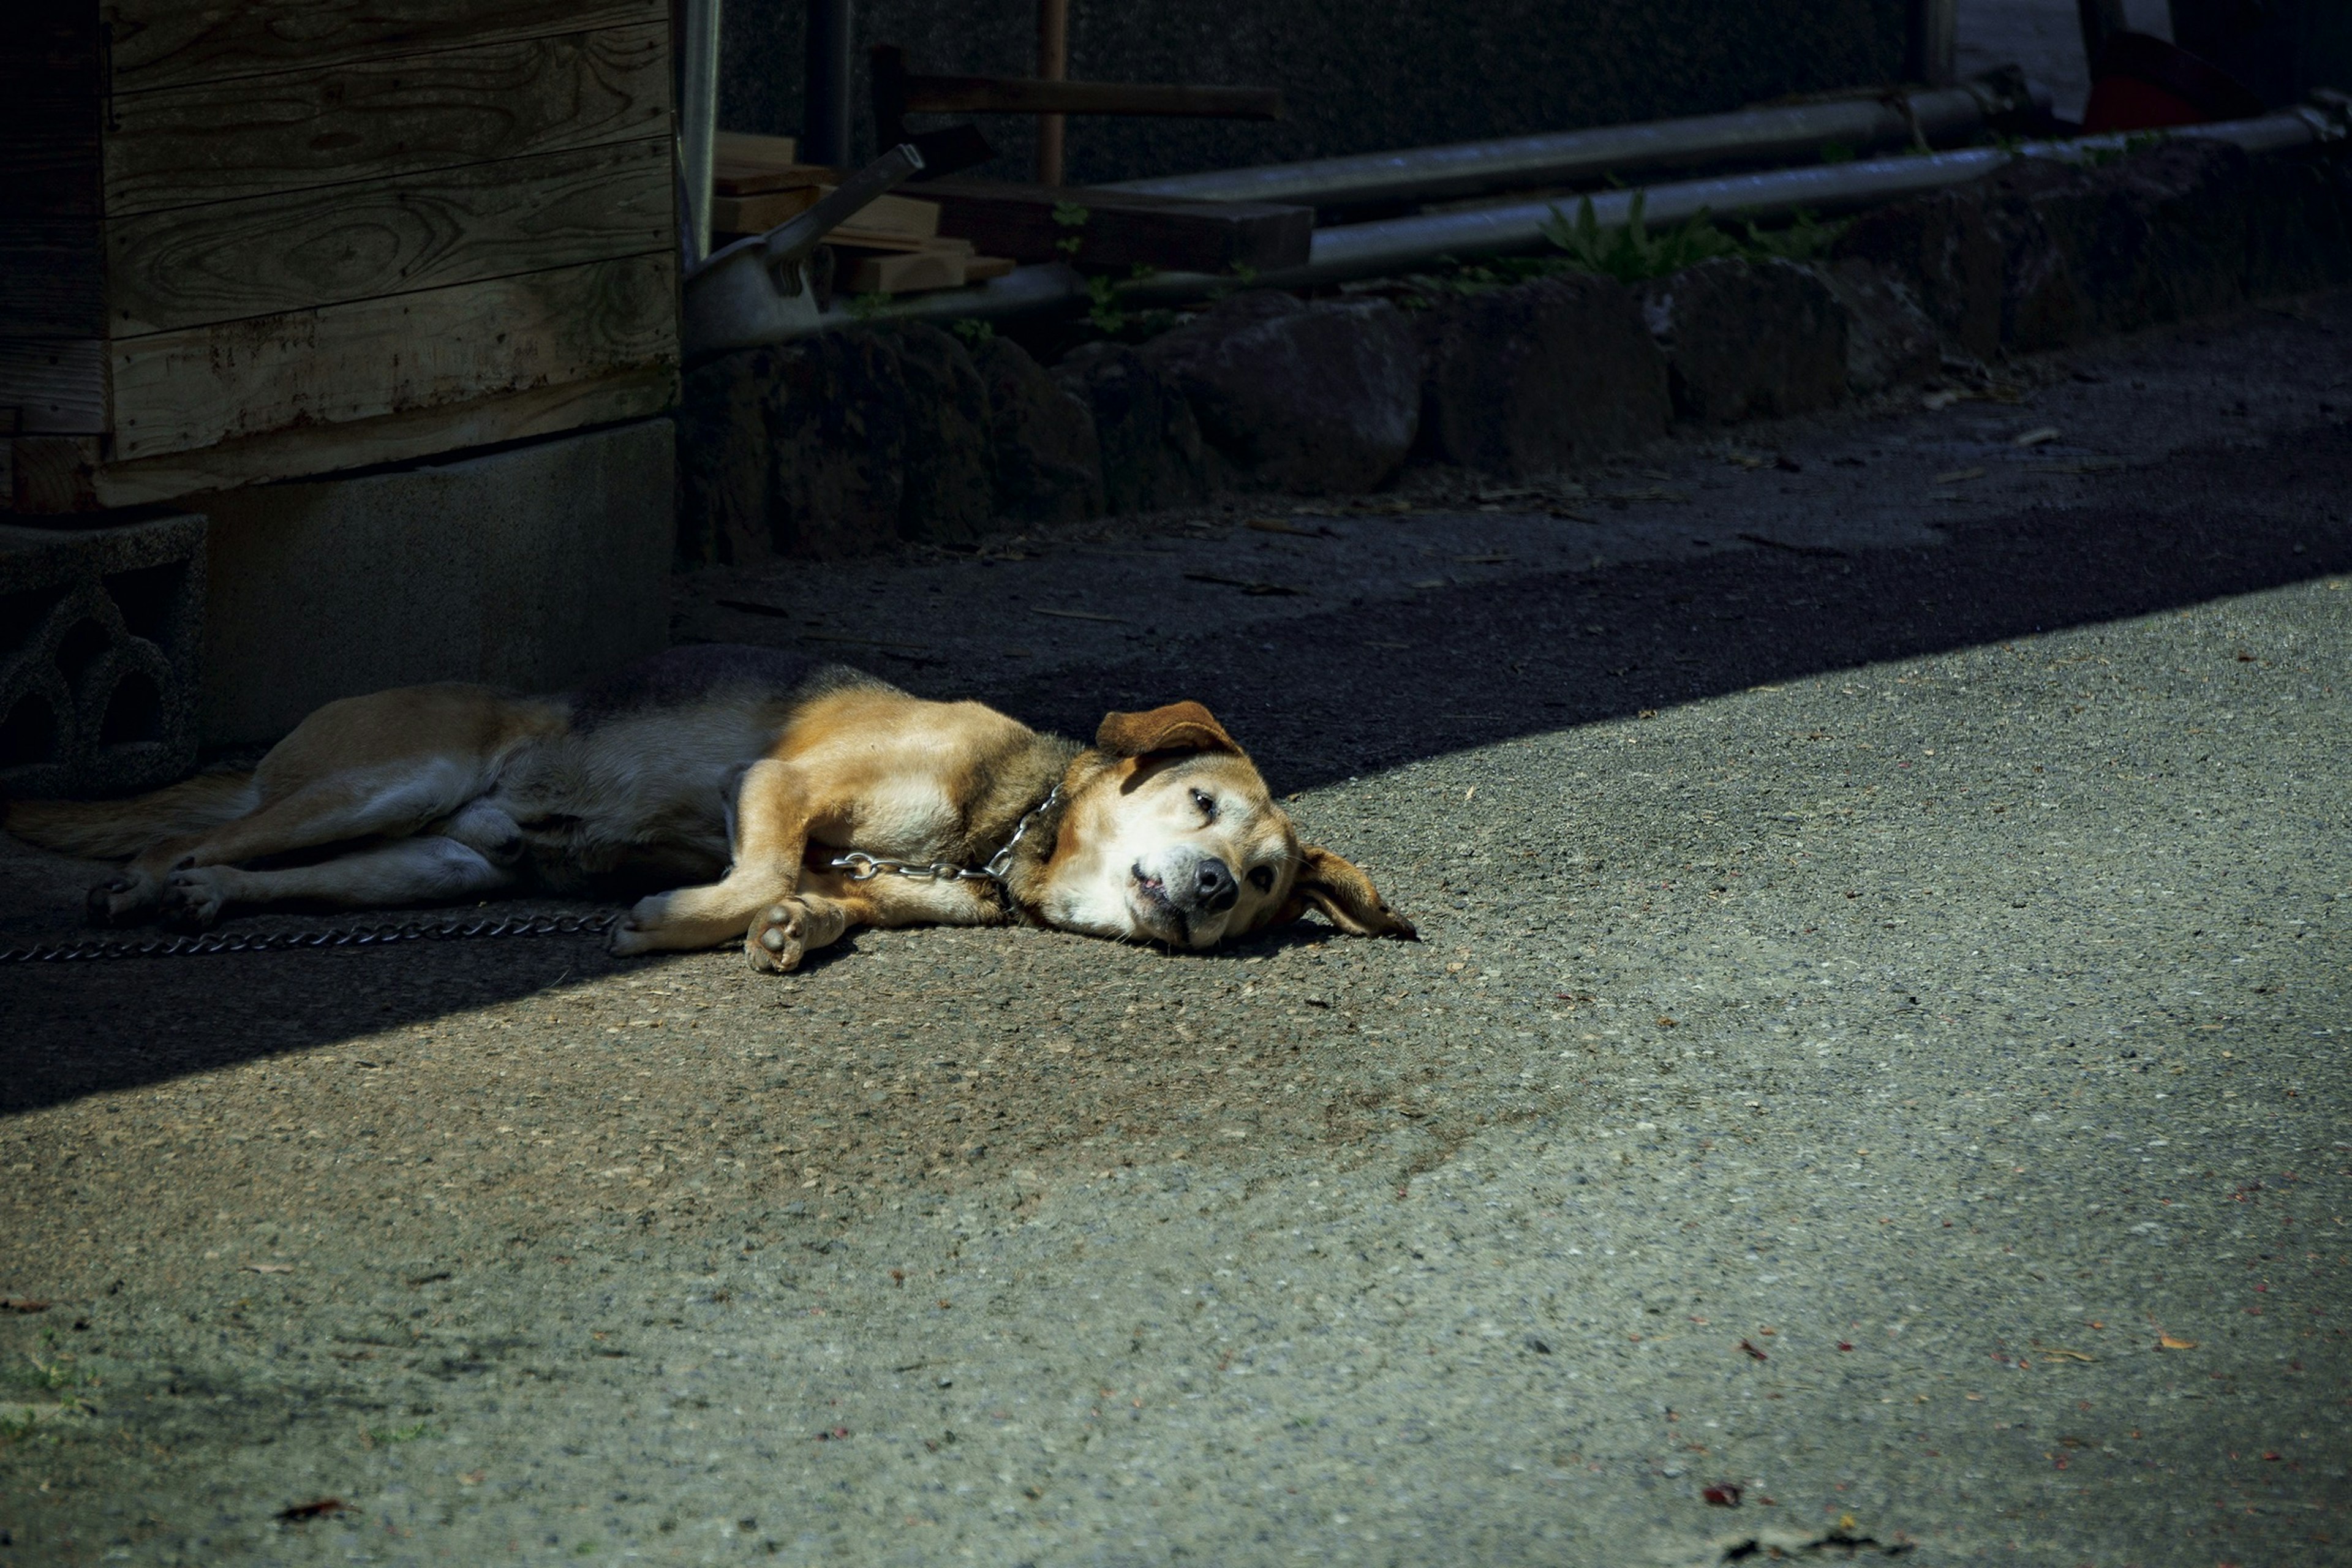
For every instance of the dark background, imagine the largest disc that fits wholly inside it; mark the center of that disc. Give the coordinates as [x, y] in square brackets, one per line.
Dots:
[1358, 76]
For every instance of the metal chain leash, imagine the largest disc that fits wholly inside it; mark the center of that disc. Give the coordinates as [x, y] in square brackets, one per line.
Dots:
[865, 867]
[377, 935]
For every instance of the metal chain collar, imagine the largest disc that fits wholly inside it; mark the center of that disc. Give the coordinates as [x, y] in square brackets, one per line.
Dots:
[865, 867]
[339, 936]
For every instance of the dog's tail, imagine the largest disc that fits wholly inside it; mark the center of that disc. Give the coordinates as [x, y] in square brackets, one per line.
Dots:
[118, 829]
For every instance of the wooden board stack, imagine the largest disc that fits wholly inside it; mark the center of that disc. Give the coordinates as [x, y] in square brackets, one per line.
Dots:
[892, 247]
[263, 238]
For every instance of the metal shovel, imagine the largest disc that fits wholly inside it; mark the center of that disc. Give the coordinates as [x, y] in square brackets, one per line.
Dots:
[758, 289]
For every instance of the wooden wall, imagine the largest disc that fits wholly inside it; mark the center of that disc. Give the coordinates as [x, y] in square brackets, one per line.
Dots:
[271, 237]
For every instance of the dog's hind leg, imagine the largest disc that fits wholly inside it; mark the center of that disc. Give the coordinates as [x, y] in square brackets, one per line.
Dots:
[421, 871]
[771, 824]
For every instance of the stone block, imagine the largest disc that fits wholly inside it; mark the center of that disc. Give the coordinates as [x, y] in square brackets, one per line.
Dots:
[1531, 379]
[1748, 339]
[1047, 462]
[100, 631]
[1315, 399]
[1146, 434]
[1942, 252]
[534, 568]
[2299, 236]
[834, 446]
[1889, 340]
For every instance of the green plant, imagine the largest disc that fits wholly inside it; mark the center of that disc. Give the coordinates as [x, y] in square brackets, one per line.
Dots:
[1070, 215]
[1805, 239]
[972, 330]
[1632, 254]
[1102, 307]
[867, 306]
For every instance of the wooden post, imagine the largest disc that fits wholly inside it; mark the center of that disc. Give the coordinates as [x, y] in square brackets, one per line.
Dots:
[1053, 65]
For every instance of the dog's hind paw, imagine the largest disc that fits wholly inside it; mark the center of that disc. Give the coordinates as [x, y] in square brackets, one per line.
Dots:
[125, 899]
[192, 899]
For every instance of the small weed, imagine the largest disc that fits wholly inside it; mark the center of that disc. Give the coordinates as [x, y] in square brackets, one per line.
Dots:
[1102, 307]
[1632, 254]
[369, 1439]
[867, 306]
[972, 330]
[1071, 215]
[2138, 143]
[1805, 239]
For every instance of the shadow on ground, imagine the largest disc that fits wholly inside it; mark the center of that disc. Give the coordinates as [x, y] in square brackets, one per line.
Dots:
[1324, 698]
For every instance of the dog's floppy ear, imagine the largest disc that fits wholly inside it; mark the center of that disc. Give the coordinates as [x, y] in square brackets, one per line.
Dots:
[1178, 727]
[1345, 895]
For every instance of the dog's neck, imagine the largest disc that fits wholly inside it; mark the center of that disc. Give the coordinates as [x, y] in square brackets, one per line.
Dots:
[1026, 881]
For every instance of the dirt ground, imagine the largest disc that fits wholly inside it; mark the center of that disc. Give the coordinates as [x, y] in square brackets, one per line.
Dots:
[1872, 1085]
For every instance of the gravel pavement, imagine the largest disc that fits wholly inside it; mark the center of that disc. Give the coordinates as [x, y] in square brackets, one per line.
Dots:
[1872, 1086]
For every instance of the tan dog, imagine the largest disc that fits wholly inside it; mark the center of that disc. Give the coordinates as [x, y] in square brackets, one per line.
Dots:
[741, 771]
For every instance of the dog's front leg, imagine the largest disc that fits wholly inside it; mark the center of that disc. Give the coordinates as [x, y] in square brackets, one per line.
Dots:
[771, 819]
[831, 903]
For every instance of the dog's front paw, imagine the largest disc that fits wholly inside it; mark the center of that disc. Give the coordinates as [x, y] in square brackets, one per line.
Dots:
[778, 938]
[125, 900]
[629, 939]
[193, 899]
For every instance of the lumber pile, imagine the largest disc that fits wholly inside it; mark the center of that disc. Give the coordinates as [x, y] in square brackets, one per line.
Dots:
[892, 247]
[259, 239]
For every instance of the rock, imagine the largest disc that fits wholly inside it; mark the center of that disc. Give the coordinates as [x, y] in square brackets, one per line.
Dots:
[2157, 236]
[1746, 340]
[2299, 236]
[1889, 340]
[837, 444]
[1940, 249]
[1314, 399]
[1145, 432]
[1047, 463]
[1533, 378]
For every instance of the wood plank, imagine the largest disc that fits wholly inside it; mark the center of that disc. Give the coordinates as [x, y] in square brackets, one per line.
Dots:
[52, 276]
[184, 390]
[1033, 95]
[756, 179]
[56, 386]
[173, 43]
[376, 118]
[750, 150]
[903, 216]
[1121, 228]
[51, 474]
[225, 260]
[634, 394]
[980, 268]
[906, 274]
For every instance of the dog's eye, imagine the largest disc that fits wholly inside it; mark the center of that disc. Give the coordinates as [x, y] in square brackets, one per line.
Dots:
[1261, 879]
[1207, 803]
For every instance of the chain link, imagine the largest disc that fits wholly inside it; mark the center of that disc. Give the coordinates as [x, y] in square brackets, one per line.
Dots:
[865, 867]
[278, 941]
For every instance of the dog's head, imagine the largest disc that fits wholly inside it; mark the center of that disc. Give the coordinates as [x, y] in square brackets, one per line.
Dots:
[1170, 835]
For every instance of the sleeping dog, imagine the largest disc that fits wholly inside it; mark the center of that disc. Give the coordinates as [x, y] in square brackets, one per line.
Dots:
[772, 804]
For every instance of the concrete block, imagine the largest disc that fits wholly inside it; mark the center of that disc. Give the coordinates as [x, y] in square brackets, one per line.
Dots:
[534, 568]
[100, 630]
[1748, 339]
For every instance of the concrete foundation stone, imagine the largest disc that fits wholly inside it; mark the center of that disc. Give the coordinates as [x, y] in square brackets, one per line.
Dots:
[100, 630]
[833, 445]
[1533, 378]
[1888, 338]
[1145, 432]
[1748, 339]
[534, 569]
[1315, 399]
[1046, 459]
[2299, 236]
[1942, 252]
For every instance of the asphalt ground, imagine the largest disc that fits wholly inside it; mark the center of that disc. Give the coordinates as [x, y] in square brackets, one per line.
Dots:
[1872, 1085]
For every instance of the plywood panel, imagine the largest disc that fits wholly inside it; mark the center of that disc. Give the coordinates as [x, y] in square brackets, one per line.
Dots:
[374, 119]
[189, 265]
[53, 387]
[184, 390]
[175, 43]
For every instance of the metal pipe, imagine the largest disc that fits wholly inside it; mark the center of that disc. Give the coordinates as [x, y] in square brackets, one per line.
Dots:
[825, 113]
[1471, 168]
[698, 117]
[1350, 251]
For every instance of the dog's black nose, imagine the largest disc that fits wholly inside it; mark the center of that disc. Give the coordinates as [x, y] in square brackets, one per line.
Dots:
[1217, 890]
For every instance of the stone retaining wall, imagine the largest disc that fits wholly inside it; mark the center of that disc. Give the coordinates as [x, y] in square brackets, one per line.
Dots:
[854, 441]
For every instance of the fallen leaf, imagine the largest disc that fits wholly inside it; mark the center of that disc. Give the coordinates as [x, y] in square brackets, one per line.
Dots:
[1958, 476]
[1079, 615]
[1726, 1495]
[269, 1269]
[22, 1304]
[2172, 1342]
[1255, 589]
[325, 1505]
[1935, 400]
[2040, 435]
[1749, 1346]
[1275, 525]
[1482, 560]
[2071, 1356]
[472, 1477]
